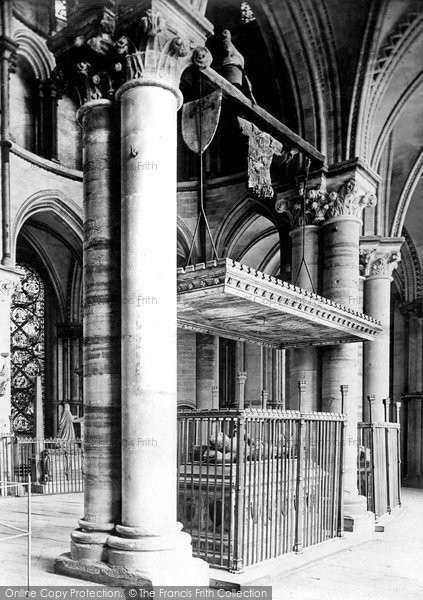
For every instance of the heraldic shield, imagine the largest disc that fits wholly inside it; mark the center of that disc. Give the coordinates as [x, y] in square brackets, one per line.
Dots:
[200, 119]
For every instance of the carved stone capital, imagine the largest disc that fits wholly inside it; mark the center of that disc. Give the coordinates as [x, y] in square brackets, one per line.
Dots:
[379, 257]
[373, 265]
[157, 55]
[98, 64]
[86, 68]
[316, 205]
[350, 200]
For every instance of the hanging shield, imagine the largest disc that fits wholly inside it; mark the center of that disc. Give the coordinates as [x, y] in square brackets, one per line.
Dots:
[200, 119]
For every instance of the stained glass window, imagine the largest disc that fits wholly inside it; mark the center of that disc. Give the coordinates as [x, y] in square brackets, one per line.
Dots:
[27, 348]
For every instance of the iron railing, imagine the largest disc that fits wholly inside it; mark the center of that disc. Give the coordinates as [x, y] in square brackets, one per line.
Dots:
[379, 466]
[55, 467]
[6, 463]
[256, 484]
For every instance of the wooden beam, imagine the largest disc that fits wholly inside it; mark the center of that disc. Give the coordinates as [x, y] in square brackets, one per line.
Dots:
[261, 118]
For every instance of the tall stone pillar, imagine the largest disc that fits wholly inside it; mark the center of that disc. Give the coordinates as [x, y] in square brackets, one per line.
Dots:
[378, 261]
[341, 234]
[147, 546]
[304, 362]
[101, 335]
[148, 541]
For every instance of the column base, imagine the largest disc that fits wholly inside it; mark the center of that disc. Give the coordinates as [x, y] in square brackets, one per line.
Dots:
[89, 545]
[356, 516]
[160, 560]
[175, 573]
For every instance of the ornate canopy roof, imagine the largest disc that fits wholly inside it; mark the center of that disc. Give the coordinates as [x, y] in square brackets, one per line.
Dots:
[235, 301]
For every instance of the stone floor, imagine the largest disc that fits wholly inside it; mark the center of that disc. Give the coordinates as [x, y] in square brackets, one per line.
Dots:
[387, 566]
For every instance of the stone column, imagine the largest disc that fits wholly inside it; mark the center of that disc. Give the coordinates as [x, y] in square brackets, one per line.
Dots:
[241, 380]
[8, 281]
[304, 362]
[207, 368]
[101, 335]
[341, 234]
[378, 263]
[8, 49]
[149, 542]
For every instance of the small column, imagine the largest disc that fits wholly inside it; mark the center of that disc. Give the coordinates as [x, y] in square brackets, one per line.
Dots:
[371, 402]
[378, 263]
[8, 281]
[38, 410]
[252, 363]
[341, 233]
[148, 541]
[41, 126]
[101, 336]
[397, 412]
[206, 368]
[215, 397]
[386, 404]
[241, 380]
[302, 388]
[304, 362]
[8, 48]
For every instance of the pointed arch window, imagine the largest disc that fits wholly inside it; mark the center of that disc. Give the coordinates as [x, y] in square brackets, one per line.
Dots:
[27, 348]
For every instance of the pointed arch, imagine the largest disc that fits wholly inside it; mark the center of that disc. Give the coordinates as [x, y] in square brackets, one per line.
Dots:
[61, 205]
[406, 195]
[36, 53]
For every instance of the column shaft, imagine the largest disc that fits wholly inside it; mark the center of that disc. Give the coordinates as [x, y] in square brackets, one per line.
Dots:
[377, 296]
[305, 362]
[148, 119]
[206, 369]
[101, 336]
[7, 49]
[379, 258]
[150, 540]
[339, 363]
